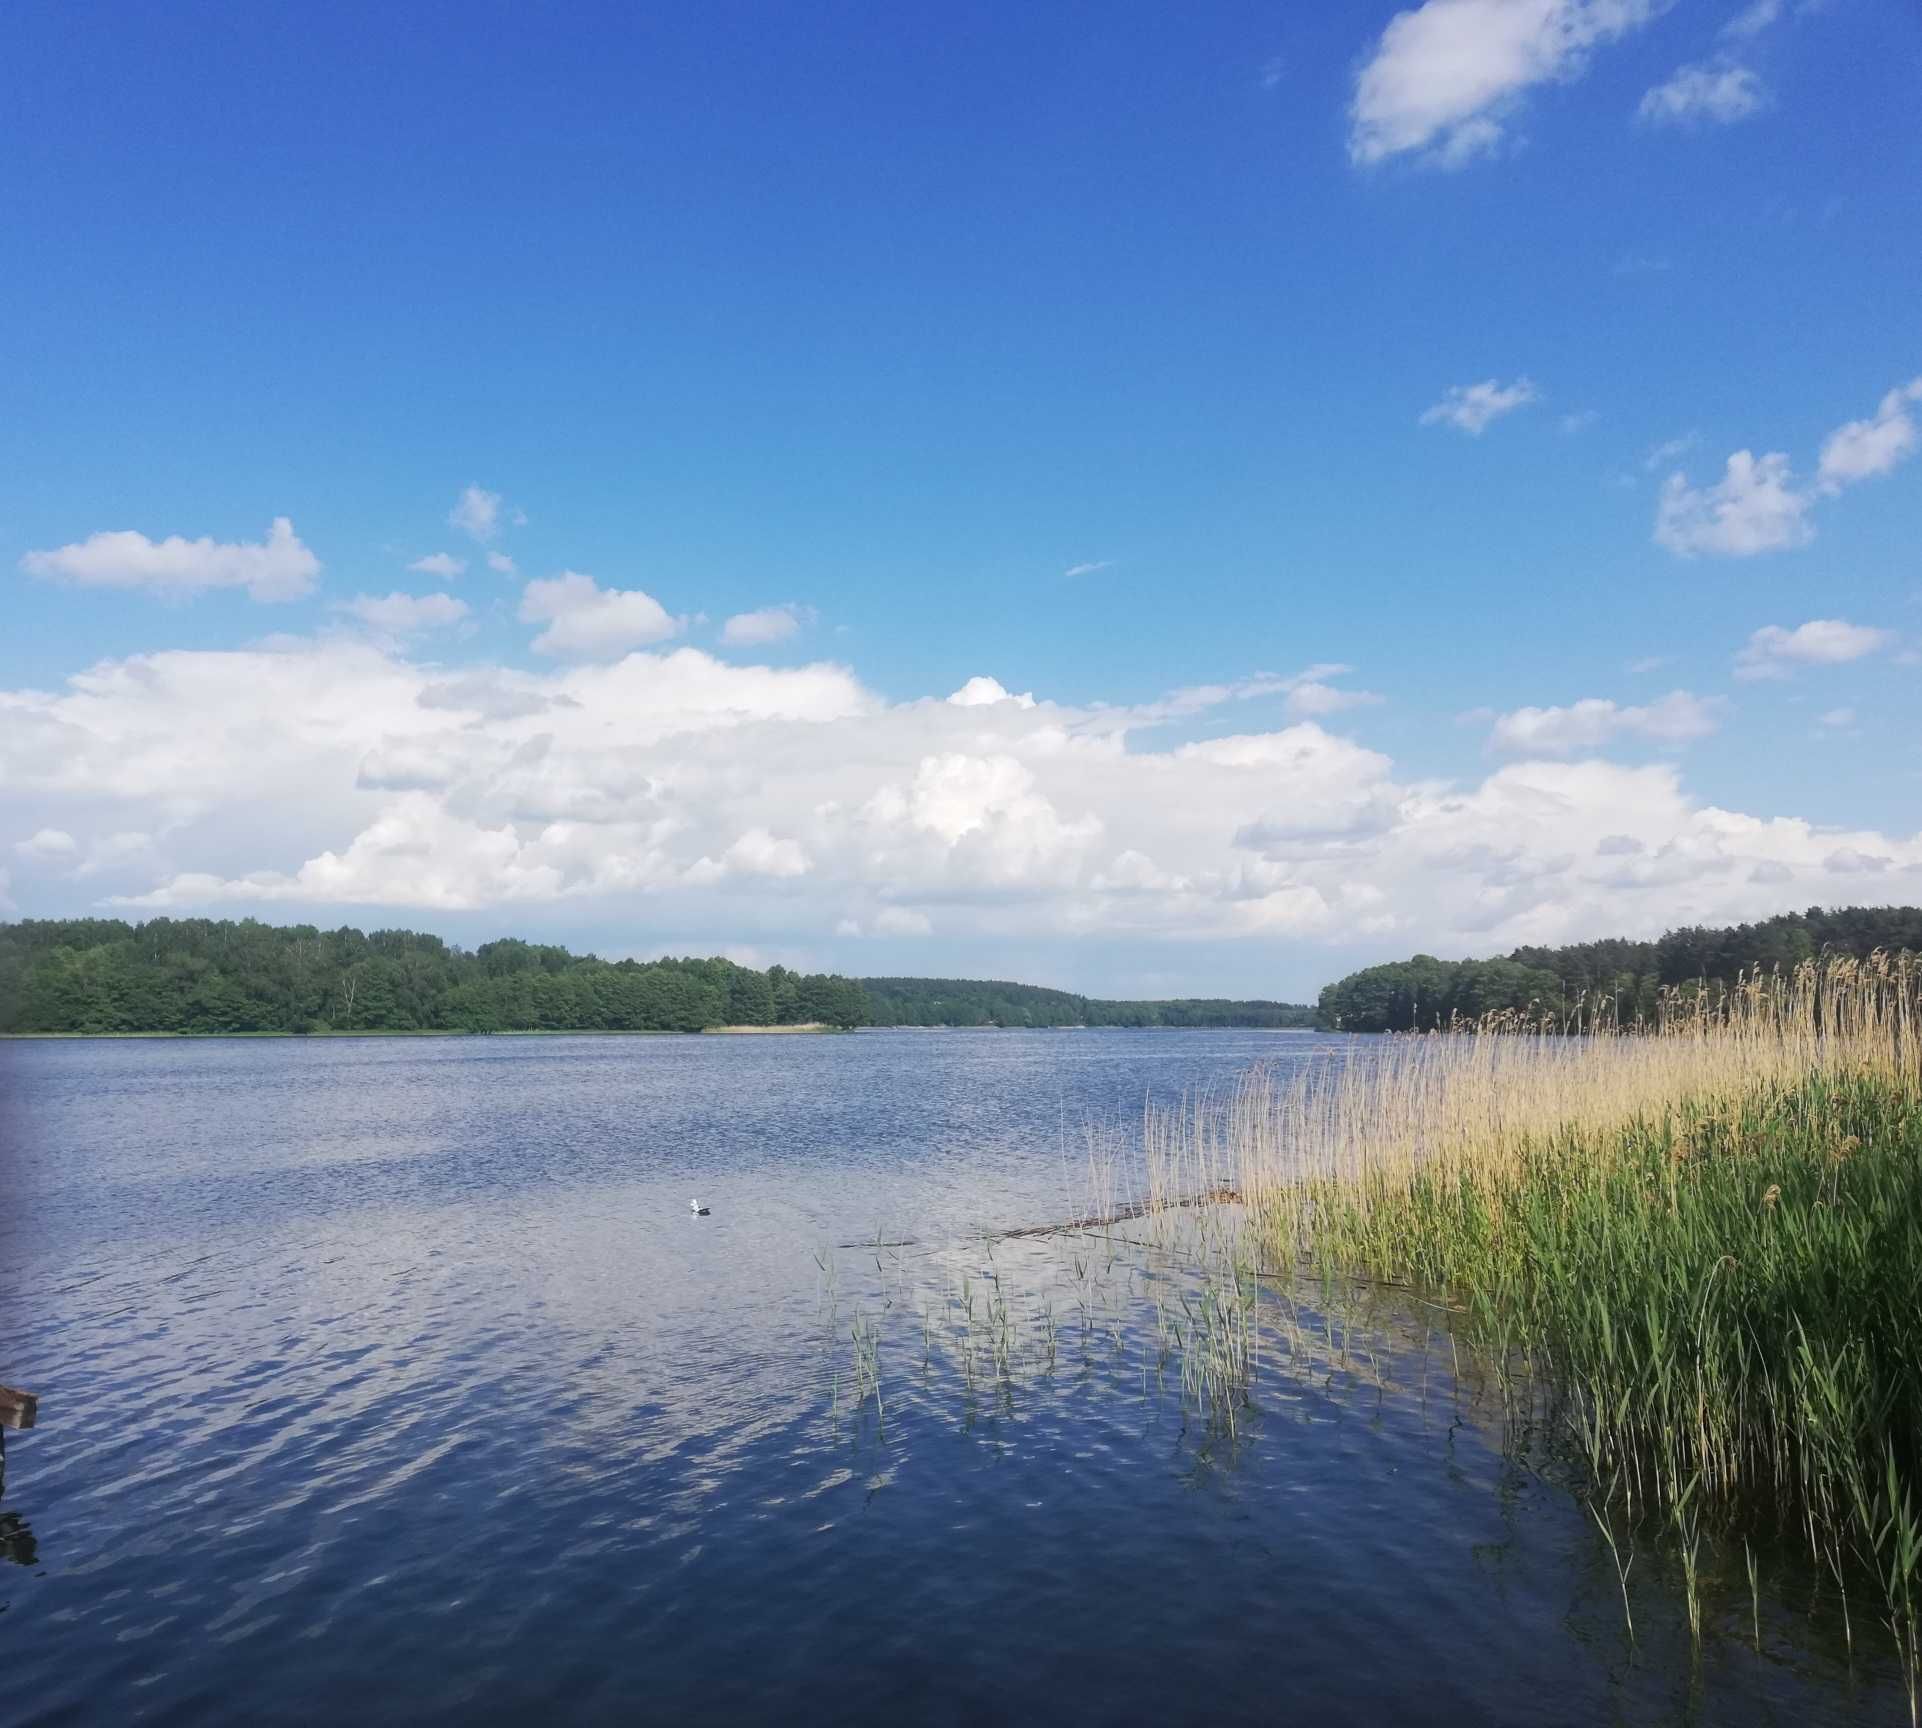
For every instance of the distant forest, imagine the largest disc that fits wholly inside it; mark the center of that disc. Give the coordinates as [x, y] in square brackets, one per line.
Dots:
[201, 975]
[102, 975]
[970, 1002]
[97, 975]
[1617, 980]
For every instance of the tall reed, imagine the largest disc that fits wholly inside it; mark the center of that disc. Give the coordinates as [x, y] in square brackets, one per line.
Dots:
[1702, 1236]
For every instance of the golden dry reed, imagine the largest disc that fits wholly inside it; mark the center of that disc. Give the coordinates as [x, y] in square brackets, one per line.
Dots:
[1694, 1246]
[1464, 1103]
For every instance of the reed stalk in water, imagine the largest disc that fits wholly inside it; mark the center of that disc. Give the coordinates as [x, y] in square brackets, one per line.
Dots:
[1704, 1237]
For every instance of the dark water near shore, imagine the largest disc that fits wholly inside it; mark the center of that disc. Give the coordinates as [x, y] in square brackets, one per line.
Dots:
[392, 1380]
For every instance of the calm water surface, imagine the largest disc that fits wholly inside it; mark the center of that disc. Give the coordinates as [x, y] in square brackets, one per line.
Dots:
[392, 1378]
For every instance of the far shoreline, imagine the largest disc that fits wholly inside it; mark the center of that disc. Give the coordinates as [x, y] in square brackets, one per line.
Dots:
[425, 1032]
[811, 1029]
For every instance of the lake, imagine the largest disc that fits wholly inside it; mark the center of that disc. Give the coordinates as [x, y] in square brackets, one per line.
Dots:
[393, 1378]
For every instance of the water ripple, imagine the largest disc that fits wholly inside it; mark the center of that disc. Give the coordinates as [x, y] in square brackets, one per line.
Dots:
[397, 1373]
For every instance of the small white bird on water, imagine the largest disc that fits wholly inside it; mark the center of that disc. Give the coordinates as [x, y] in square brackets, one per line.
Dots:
[697, 1208]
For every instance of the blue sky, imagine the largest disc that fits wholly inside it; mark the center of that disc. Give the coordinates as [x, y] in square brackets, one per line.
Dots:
[1306, 337]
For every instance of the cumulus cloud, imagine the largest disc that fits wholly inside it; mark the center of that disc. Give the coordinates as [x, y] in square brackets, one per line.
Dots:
[1864, 449]
[1472, 408]
[50, 845]
[1718, 92]
[442, 564]
[1773, 652]
[1752, 20]
[477, 514]
[983, 692]
[1755, 507]
[1314, 698]
[781, 804]
[406, 614]
[769, 624]
[113, 852]
[586, 620]
[277, 568]
[1447, 77]
[502, 565]
[1758, 506]
[759, 853]
[755, 853]
[1677, 718]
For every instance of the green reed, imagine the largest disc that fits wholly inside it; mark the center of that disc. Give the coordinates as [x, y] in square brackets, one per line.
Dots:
[1723, 1301]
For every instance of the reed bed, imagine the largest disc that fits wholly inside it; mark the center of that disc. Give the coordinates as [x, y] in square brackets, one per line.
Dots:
[1694, 1245]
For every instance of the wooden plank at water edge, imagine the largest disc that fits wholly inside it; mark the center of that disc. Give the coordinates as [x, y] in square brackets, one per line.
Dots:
[17, 1409]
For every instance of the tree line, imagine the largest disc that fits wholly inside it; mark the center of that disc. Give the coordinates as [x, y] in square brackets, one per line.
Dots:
[1609, 982]
[99, 975]
[979, 1002]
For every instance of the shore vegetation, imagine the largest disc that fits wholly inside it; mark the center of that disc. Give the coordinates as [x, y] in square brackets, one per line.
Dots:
[1690, 1249]
[1608, 983]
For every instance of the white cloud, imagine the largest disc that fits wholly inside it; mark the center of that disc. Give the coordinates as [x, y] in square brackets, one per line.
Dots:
[48, 846]
[1447, 76]
[502, 565]
[1836, 719]
[674, 790]
[1677, 718]
[590, 621]
[443, 564]
[1864, 449]
[1088, 569]
[983, 692]
[1752, 20]
[1721, 92]
[1578, 422]
[1314, 698]
[759, 853]
[477, 514]
[117, 851]
[1756, 507]
[769, 624]
[1471, 408]
[1669, 450]
[277, 568]
[406, 614]
[756, 853]
[1773, 652]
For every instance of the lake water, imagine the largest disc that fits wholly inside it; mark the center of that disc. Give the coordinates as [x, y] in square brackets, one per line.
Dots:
[392, 1379]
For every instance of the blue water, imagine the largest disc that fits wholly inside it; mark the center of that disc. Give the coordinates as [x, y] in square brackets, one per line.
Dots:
[393, 1379]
